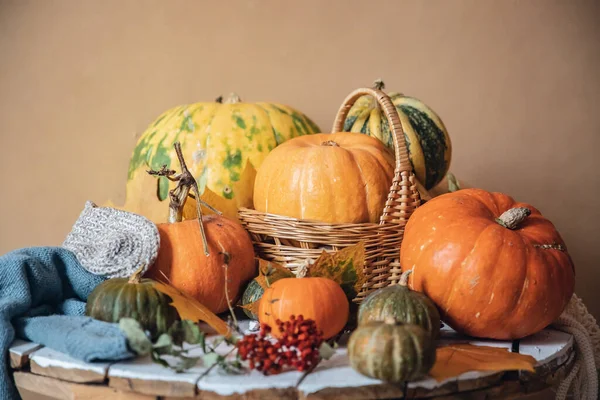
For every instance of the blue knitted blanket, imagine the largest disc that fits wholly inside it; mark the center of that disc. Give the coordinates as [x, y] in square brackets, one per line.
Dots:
[42, 299]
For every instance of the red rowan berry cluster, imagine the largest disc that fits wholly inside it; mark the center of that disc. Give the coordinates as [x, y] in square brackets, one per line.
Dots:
[297, 346]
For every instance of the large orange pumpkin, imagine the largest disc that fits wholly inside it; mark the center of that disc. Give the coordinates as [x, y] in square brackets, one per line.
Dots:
[319, 299]
[334, 178]
[182, 260]
[495, 267]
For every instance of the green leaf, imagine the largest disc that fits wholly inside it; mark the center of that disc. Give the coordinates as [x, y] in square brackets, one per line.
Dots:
[136, 337]
[186, 363]
[163, 188]
[344, 267]
[186, 331]
[210, 359]
[326, 351]
[163, 340]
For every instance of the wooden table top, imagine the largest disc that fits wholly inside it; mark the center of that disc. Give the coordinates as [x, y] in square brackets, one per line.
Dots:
[45, 371]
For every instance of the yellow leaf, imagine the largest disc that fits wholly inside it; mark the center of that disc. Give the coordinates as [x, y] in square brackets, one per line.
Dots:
[243, 190]
[191, 309]
[456, 359]
[344, 266]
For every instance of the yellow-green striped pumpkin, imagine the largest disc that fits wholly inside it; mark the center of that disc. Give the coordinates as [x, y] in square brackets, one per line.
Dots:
[217, 139]
[425, 134]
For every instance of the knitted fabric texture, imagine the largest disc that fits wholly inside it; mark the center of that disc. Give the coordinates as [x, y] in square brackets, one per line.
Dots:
[39, 281]
[582, 380]
[112, 242]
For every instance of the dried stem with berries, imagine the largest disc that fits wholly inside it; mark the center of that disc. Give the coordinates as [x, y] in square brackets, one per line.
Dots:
[178, 196]
[297, 346]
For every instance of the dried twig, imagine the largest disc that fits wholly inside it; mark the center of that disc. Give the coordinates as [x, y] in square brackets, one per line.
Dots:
[178, 196]
[226, 258]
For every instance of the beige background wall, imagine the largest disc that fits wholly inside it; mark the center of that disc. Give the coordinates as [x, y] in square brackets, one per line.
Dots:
[516, 82]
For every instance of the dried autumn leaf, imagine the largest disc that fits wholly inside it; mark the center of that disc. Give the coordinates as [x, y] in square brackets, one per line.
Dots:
[456, 359]
[268, 272]
[242, 191]
[191, 309]
[344, 266]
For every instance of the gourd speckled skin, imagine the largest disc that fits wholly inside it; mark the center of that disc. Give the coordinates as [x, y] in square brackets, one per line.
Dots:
[488, 278]
[403, 305]
[427, 140]
[391, 352]
[334, 178]
[320, 299]
[133, 298]
[216, 140]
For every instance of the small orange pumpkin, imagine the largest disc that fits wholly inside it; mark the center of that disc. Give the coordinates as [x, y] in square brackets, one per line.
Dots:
[496, 268]
[319, 299]
[334, 178]
[182, 259]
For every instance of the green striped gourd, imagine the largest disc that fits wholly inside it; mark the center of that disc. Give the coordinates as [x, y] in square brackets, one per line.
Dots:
[217, 140]
[391, 352]
[135, 298]
[427, 139]
[401, 304]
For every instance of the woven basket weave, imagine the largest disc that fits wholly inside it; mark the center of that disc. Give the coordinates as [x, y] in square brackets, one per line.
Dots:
[292, 241]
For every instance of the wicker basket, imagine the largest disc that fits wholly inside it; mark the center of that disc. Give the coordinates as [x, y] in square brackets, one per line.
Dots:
[292, 241]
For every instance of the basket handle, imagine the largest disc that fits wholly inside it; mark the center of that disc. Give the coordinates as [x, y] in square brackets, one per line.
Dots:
[403, 189]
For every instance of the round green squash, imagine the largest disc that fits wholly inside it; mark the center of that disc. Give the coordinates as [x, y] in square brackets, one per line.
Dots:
[427, 140]
[252, 294]
[391, 352]
[401, 304]
[133, 298]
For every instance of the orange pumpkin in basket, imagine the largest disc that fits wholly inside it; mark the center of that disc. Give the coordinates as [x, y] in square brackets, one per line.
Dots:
[333, 178]
[319, 299]
[496, 268]
[182, 259]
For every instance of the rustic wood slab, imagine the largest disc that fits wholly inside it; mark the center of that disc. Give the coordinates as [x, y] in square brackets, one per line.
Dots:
[72, 391]
[145, 376]
[48, 362]
[20, 351]
[334, 378]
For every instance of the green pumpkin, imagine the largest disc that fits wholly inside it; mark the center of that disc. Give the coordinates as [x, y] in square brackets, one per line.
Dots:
[391, 352]
[133, 298]
[401, 304]
[252, 293]
[427, 140]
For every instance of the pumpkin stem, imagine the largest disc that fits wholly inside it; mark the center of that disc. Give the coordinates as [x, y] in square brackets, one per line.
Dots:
[232, 98]
[137, 275]
[404, 277]
[178, 196]
[453, 184]
[512, 218]
[330, 143]
[378, 84]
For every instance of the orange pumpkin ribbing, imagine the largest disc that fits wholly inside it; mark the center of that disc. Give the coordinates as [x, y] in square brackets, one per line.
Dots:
[487, 280]
[334, 178]
[320, 299]
[182, 260]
